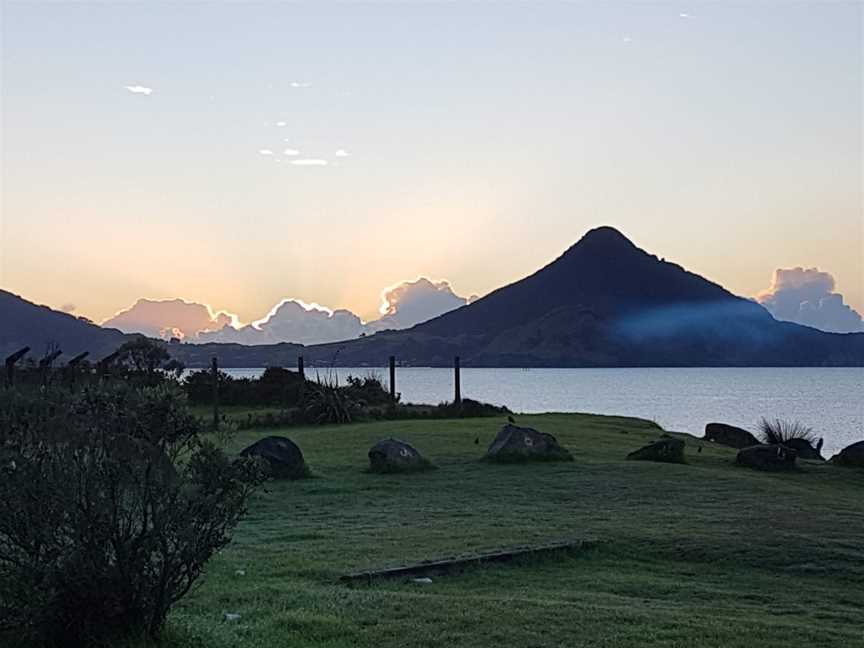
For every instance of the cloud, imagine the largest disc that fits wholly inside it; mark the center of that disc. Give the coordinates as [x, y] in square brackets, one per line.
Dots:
[411, 302]
[170, 318]
[341, 153]
[265, 152]
[281, 124]
[807, 297]
[309, 162]
[290, 151]
[684, 15]
[138, 89]
[292, 320]
[296, 84]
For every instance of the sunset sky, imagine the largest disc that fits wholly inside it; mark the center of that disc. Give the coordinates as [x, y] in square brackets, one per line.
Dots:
[166, 150]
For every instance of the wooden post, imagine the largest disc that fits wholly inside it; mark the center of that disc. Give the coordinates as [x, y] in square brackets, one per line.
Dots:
[10, 365]
[457, 397]
[214, 368]
[393, 379]
[300, 368]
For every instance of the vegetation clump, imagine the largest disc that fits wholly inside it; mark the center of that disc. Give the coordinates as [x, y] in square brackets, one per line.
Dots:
[791, 434]
[113, 503]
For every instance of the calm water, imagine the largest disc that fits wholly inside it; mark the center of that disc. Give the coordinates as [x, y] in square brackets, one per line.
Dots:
[684, 400]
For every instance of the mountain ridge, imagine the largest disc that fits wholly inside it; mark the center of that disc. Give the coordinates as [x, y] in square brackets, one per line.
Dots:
[604, 302]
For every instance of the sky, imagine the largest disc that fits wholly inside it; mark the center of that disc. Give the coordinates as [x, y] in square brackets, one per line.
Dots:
[240, 154]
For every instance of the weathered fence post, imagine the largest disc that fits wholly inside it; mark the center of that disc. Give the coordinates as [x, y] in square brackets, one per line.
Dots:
[72, 366]
[214, 368]
[300, 367]
[393, 379]
[457, 397]
[10, 365]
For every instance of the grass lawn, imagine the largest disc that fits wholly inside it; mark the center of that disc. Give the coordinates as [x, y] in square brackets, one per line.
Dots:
[704, 554]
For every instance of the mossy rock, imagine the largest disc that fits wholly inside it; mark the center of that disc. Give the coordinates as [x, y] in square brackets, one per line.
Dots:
[390, 456]
[665, 450]
[514, 444]
[282, 455]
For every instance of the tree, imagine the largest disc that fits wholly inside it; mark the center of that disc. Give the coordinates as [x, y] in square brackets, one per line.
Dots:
[143, 355]
[113, 503]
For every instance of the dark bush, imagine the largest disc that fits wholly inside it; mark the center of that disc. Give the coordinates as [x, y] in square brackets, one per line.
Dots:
[368, 390]
[276, 387]
[112, 505]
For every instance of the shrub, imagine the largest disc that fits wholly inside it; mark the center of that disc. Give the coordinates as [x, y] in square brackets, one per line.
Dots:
[325, 402]
[368, 390]
[779, 432]
[113, 504]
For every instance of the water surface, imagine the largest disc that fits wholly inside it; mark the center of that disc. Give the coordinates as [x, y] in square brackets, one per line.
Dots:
[830, 400]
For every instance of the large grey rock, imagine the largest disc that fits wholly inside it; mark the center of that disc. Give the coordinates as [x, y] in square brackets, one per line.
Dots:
[283, 456]
[729, 435]
[767, 457]
[852, 456]
[393, 456]
[804, 449]
[666, 449]
[515, 444]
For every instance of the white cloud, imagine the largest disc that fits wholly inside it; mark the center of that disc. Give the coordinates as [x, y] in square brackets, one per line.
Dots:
[684, 15]
[627, 39]
[281, 123]
[411, 302]
[310, 162]
[290, 151]
[807, 297]
[293, 320]
[170, 318]
[296, 84]
[341, 153]
[139, 89]
[265, 152]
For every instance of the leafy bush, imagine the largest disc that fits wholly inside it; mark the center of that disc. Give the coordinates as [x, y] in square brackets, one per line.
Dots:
[779, 432]
[112, 505]
[275, 387]
[368, 390]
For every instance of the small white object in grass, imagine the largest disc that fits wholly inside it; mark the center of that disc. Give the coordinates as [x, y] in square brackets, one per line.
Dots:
[422, 581]
[230, 617]
[240, 572]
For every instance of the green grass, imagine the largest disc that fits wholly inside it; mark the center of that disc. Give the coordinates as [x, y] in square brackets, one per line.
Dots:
[697, 555]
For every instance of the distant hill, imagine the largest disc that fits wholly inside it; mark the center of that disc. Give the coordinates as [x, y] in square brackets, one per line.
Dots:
[606, 303]
[603, 303]
[23, 323]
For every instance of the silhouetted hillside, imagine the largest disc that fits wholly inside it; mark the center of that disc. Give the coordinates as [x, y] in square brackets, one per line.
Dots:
[605, 302]
[23, 323]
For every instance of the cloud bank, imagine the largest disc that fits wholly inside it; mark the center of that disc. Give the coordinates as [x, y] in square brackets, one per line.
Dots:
[170, 318]
[807, 297]
[291, 320]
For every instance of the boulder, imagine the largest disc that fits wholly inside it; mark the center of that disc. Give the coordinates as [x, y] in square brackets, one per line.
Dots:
[666, 449]
[515, 444]
[804, 449]
[283, 456]
[395, 456]
[852, 456]
[767, 457]
[729, 435]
